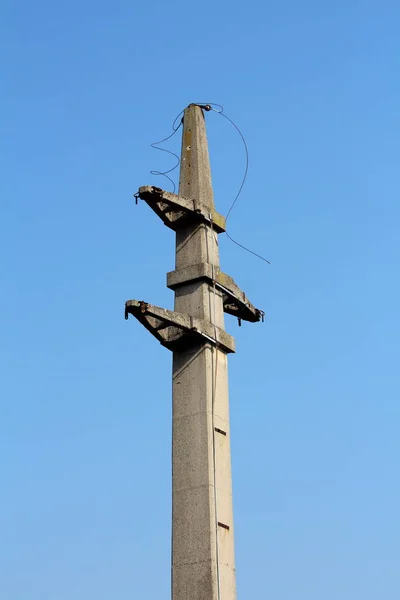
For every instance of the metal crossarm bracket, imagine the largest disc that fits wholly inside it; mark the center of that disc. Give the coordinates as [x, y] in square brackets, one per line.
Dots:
[176, 211]
[234, 300]
[175, 331]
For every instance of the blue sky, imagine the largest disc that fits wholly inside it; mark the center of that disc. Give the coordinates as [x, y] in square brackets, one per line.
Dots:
[85, 421]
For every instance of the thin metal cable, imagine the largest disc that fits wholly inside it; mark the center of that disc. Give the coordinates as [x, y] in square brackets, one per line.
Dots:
[214, 364]
[246, 169]
[247, 249]
[155, 146]
[209, 106]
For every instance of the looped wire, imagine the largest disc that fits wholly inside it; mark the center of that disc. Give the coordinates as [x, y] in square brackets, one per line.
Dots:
[155, 145]
[219, 109]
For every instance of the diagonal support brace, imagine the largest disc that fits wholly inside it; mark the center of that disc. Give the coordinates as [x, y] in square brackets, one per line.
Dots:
[176, 211]
[234, 300]
[176, 331]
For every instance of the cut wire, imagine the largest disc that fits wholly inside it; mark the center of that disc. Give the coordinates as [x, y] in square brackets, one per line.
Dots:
[221, 112]
[219, 109]
[246, 169]
[155, 146]
[247, 249]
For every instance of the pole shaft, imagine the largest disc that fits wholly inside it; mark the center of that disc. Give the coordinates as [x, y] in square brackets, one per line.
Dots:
[202, 516]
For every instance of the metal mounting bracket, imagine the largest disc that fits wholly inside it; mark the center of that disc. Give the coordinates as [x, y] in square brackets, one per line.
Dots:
[176, 211]
[176, 331]
[234, 300]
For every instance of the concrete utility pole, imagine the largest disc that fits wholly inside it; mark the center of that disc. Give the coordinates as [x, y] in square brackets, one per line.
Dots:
[203, 563]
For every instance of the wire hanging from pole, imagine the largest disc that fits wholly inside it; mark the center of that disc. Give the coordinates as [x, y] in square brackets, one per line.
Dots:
[246, 169]
[155, 146]
[209, 106]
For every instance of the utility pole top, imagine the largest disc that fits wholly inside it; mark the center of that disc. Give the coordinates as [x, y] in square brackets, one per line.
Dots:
[195, 175]
[203, 562]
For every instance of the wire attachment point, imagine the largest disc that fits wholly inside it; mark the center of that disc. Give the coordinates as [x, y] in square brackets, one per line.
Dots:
[206, 107]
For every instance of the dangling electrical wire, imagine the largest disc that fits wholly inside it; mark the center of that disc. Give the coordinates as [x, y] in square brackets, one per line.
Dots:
[219, 109]
[210, 106]
[246, 169]
[155, 145]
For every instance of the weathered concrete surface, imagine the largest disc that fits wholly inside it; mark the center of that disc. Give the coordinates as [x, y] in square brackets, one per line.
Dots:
[172, 329]
[202, 550]
[236, 302]
[174, 210]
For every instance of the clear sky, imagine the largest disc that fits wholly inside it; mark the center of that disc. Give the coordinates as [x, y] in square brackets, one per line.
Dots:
[85, 427]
